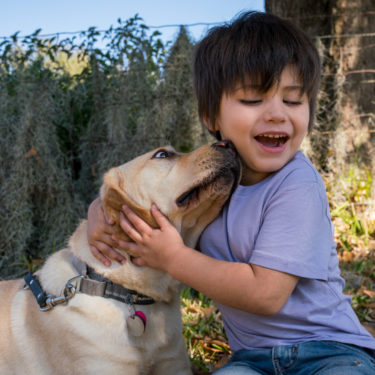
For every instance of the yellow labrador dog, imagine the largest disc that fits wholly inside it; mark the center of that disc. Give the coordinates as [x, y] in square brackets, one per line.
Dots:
[123, 319]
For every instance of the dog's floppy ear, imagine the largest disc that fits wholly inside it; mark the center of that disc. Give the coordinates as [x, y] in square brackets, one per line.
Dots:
[114, 197]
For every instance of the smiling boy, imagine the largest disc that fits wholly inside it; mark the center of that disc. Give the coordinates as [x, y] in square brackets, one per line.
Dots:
[269, 260]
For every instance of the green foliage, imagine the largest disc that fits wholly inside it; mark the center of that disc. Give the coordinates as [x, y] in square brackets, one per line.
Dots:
[70, 110]
[352, 207]
[176, 109]
[35, 195]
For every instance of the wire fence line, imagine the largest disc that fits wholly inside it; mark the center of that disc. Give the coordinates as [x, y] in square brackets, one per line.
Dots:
[187, 26]
[347, 49]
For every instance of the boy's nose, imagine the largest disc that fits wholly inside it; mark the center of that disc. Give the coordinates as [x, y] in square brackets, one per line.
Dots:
[275, 112]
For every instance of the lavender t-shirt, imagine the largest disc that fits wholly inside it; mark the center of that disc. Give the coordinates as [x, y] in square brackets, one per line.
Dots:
[283, 223]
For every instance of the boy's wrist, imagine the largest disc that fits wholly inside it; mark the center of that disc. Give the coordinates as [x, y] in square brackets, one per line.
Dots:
[177, 261]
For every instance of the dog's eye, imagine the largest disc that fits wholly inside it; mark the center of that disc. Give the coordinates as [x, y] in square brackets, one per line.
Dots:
[161, 154]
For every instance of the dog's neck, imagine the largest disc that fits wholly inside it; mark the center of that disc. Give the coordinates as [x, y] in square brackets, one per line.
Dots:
[154, 283]
[191, 225]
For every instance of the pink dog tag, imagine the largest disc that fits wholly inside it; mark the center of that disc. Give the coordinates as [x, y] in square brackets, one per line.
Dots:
[136, 323]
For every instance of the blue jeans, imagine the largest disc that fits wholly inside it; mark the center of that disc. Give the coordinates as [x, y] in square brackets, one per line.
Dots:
[315, 357]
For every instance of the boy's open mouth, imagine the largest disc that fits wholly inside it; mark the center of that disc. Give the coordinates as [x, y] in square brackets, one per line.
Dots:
[272, 140]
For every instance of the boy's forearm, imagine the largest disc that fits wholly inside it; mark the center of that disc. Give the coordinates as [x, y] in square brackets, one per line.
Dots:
[214, 278]
[243, 286]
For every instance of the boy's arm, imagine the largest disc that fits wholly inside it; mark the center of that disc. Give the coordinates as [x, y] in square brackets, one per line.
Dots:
[243, 286]
[99, 234]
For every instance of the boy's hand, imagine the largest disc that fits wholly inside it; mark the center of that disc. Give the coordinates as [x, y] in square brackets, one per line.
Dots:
[99, 234]
[151, 247]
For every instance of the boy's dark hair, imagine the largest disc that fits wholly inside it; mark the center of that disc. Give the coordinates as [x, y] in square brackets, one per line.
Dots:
[256, 45]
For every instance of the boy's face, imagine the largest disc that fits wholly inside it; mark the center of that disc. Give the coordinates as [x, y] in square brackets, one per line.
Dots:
[266, 128]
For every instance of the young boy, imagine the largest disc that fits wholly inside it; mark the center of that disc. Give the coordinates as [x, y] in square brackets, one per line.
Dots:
[269, 260]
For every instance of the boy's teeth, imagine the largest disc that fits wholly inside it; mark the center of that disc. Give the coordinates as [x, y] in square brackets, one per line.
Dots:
[273, 135]
[272, 140]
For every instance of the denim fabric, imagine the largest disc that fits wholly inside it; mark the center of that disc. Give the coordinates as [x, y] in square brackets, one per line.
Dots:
[315, 357]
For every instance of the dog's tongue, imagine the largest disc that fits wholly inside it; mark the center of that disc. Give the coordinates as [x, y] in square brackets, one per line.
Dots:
[270, 142]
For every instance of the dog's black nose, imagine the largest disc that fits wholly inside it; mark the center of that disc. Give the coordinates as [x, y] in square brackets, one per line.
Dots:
[228, 145]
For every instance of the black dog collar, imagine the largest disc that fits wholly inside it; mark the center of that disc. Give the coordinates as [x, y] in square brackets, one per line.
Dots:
[89, 282]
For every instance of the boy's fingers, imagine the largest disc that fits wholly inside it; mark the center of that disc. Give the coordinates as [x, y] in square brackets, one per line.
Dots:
[139, 262]
[114, 255]
[107, 230]
[107, 253]
[129, 229]
[107, 218]
[105, 238]
[159, 216]
[99, 256]
[130, 247]
[122, 245]
[134, 225]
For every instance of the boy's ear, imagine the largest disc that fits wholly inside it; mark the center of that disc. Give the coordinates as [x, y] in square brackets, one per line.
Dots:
[214, 129]
[114, 197]
[209, 125]
[216, 126]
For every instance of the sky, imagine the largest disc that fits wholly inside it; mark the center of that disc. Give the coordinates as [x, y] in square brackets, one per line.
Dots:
[55, 16]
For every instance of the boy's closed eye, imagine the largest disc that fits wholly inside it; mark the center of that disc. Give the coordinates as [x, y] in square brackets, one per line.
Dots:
[292, 102]
[249, 95]
[291, 95]
[250, 102]
[259, 101]
[294, 95]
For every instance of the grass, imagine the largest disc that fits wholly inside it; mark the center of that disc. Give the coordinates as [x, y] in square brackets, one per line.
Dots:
[203, 331]
[353, 214]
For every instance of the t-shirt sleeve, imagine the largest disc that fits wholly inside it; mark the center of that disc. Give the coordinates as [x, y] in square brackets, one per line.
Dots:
[296, 234]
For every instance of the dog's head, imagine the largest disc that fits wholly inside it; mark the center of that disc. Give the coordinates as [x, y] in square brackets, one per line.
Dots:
[190, 189]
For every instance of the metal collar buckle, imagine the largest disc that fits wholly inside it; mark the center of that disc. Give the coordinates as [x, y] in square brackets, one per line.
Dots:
[47, 302]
